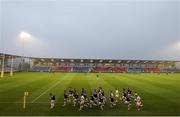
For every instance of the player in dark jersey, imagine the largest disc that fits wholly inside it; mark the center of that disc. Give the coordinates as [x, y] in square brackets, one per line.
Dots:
[128, 102]
[129, 91]
[85, 94]
[82, 91]
[75, 97]
[86, 102]
[52, 100]
[65, 97]
[70, 94]
[92, 101]
[95, 95]
[101, 100]
[102, 91]
[112, 102]
[104, 98]
[123, 95]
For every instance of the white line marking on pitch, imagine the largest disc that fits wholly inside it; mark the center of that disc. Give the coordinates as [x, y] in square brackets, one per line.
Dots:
[46, 91]
[26, 102]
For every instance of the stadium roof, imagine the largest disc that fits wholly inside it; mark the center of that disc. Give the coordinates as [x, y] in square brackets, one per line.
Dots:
[71, 60]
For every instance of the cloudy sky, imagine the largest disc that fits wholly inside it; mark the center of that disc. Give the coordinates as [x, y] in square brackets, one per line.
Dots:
[117, 29]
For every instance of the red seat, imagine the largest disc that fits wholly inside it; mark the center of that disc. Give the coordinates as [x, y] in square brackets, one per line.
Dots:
[154, 70]
[62, 69]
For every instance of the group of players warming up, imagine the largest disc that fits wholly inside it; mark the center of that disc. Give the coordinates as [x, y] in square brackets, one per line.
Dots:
[97, 98]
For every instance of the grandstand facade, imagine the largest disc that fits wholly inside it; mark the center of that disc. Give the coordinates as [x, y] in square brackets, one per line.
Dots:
[20, 63]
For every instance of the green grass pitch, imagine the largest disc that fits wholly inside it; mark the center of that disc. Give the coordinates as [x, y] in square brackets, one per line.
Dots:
[160, 93]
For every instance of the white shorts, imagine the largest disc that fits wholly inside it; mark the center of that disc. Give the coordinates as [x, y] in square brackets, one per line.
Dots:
[99, 103]
[138, 103]
[82, 103]
[52, 101]
[117, 95]
[126, 102]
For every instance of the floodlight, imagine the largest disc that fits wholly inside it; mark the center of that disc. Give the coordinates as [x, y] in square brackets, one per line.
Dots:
[179, 43]
[24, 35]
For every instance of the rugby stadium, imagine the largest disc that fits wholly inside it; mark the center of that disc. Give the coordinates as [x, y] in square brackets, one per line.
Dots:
[157, 82]
[89, 57]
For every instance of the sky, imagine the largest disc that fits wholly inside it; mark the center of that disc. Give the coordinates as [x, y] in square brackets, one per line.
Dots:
[106, 29]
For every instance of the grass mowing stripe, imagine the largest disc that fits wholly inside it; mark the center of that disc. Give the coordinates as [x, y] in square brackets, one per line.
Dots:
[148, 88]
[22, 82]
[98, 82]
[164, 89]
[46, 91]
[59, 89]
[54, 85]
[110, 78]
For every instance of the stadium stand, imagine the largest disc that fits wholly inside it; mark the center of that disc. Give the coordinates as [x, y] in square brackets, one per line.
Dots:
[89, 65]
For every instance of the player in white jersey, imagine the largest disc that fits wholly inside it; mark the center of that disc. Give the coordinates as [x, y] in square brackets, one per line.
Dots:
[116, 95]
[70, 96]
[82, 100]
[138, 102]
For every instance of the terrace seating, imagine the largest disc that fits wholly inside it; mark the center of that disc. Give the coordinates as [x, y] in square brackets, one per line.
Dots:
[154, 70]
[41, 69]
[171, 70]
[135, 70]
[101, 69]
[119, 69]
[62, 69]
[81, 69]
